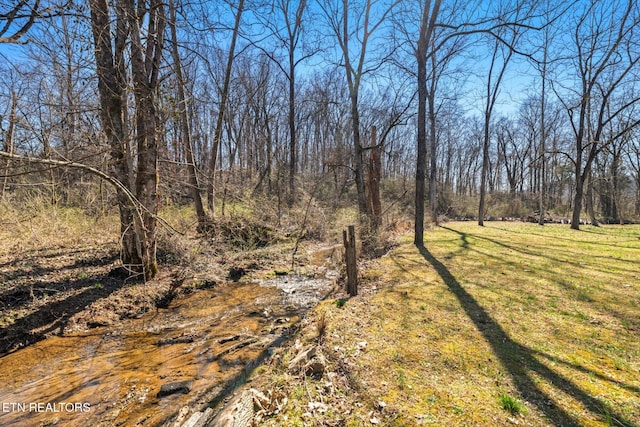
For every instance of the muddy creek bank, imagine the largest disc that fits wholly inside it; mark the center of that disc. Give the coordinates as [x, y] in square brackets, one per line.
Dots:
[143, 371]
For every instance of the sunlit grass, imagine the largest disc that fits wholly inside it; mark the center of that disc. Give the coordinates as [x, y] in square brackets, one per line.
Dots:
[546, 313]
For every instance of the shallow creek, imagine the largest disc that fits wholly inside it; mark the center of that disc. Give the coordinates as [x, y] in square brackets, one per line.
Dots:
[112, 376]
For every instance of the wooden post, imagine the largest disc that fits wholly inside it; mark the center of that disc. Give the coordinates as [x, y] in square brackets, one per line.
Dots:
[350, 260]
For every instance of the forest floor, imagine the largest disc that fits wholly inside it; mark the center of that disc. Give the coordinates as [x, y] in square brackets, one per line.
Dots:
[508, 324]
[57, 265]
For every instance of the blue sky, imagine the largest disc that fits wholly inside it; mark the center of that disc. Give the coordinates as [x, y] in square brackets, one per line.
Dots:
[517, 83]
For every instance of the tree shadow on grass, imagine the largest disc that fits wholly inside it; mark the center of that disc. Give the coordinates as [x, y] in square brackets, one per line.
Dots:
[574, 240]
[590, 372]
[570, 258]
[520, 362]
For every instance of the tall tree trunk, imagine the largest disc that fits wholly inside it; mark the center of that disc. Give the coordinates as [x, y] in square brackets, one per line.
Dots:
[375, 172]
[493, 89]
[224, 95]
[353, 83]
[421, 157]
[292, 127]
[145, 67]
[485, 168]
[110, 63]
[183, 118]
[354, 76]
[137, 222]
[8, 142]
[543, 131]
[427, 27]
[358, 164]
[580, 173]
[433, 147]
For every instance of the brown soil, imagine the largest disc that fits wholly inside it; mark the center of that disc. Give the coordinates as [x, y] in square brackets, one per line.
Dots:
[70, 286]
[56, 290]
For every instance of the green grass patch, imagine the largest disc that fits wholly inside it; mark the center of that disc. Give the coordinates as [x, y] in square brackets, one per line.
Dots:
[512, 405]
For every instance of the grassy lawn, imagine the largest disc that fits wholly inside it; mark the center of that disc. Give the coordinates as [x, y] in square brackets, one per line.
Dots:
[508, 324]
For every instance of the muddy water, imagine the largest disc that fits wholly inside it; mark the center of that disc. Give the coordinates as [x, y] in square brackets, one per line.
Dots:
[112, 376]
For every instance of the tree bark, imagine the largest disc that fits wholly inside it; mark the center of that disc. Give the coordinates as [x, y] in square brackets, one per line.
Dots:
[433, 146]
[427, 27]
[589, 201]
[183, 118]
[8, 141]
[224, 95]
[375, 172]
[137, 222]
[421, 155]
[145, 67]
[577, 202]
[110, 63]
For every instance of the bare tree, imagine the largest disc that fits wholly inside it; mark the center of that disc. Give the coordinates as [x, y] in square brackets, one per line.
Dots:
[287, 26]
[501, 55]
[346, 29]
[428, 19]
[143, 25]
[183, 119]
[604, 70]
[224, 95]
[431, 51]
[16, 19]
[543, 130]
